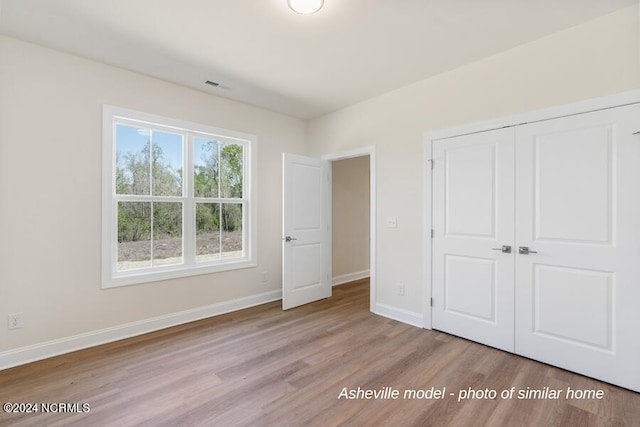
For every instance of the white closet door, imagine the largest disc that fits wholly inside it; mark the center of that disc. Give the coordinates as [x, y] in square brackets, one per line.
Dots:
[473, 199]
[578, 207]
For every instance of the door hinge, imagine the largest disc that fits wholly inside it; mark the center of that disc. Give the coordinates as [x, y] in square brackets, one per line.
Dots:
[433, 233]
[431, 301]
[430, 163]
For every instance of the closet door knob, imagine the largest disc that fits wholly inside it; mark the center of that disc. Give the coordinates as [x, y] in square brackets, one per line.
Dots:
[524, 250]
[505, 249]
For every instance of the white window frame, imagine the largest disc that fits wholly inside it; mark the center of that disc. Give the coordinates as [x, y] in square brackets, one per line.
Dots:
[113, 278]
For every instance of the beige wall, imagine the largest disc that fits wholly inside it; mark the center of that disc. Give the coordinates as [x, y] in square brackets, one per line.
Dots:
[50, 184]
[597, 58]
[350, 225]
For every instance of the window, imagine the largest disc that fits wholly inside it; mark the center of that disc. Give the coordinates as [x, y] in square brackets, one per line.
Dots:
[178, 198]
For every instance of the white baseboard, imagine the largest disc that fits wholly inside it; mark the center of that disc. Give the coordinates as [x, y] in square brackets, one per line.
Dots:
[346, 278]
[32, 353]
[399, 314]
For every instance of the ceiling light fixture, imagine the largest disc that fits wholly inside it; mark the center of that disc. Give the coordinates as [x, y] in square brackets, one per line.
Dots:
[305, 7]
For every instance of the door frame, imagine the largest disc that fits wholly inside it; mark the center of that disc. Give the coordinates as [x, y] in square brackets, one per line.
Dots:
[611, 101]
[361, 152]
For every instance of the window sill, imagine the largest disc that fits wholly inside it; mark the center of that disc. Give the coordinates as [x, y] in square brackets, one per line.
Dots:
[168, 273]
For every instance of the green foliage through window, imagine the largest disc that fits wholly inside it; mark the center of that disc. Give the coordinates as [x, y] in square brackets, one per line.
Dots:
[149, 175]
[218, 169]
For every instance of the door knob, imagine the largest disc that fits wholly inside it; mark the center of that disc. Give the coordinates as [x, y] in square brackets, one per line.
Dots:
[505, 249]
[289, 238]
[524, 250]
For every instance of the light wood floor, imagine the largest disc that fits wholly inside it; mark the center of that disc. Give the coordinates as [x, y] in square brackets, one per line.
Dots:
[266, 367]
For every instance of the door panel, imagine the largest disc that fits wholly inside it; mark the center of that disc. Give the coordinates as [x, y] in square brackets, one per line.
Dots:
[573, 304]
[473, 215]
[578, 207]
[573, 180]
[307, 265]
[477, 301]
[306, 213]
[470, 187]
[306, 257]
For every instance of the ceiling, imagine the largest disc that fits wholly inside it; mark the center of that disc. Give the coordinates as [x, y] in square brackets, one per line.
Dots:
[262, 53]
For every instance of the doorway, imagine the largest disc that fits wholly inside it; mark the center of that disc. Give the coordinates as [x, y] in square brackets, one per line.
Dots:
[350, 219]
[353, 217]
[307, 224]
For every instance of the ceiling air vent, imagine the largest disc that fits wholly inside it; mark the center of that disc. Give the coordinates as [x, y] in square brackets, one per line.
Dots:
[210, 83]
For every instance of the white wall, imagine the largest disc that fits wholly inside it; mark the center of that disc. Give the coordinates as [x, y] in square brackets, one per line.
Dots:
[350, 226]
[597, 58]
[50, 182]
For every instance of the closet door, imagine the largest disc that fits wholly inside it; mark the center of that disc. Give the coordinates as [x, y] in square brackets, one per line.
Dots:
[473, 199]
[578, 213]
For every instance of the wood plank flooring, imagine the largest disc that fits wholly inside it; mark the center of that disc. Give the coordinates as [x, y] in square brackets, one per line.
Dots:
[266, 367]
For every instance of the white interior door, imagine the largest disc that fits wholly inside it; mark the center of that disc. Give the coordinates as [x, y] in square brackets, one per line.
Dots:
[473, 202]
[578, 208]
[306, 222]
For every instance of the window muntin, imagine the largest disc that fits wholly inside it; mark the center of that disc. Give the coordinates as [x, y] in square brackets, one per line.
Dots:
[179, 200]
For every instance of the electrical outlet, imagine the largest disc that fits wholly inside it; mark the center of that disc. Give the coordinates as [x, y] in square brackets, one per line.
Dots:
[400, 289]
[15, 321]
[265, 277]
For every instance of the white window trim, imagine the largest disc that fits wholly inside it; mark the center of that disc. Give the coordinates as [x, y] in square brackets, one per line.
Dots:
[110, 277]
